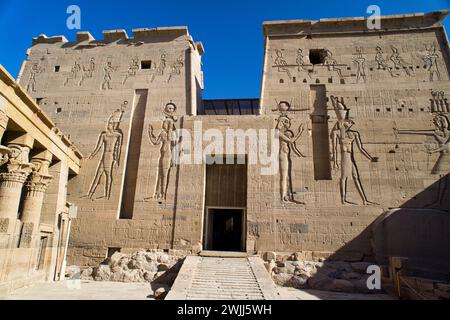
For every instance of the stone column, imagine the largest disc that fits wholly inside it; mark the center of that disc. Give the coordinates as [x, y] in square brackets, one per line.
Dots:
[35, 188]
[12, 179]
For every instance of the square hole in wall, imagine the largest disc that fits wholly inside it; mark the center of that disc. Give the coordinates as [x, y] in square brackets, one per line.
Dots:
[56, 69]
[146, 64]
[317, 56]
[58, 110]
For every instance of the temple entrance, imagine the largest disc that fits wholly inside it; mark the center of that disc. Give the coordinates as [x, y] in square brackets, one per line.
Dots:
[224, 227]
[225, 230]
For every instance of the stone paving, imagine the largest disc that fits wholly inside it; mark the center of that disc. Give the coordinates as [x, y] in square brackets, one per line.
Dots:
[87, 290]
[310, 294]
[106, 290]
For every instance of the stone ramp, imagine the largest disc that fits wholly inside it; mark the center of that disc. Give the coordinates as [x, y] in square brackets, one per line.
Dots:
[223, 278]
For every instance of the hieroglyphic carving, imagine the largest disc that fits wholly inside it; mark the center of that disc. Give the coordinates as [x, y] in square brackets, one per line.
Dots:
[301, 64]
[400, 63]
[73, 74]
[132, 69]
[359, 60]
[4, 223]
[331, 63]
[159, 71]
[110, 141]
[441, 134]
[430, 60]
[87, 71]
[175, 67]
[281, 63]
[108, 69]
[344, 138]
[26, 234]
[35, 70]
[300, 60]
[438, 102]
[168, 140]
[381, 62]
[287, 141]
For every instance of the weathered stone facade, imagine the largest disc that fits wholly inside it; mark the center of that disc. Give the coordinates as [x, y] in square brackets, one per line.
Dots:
[36, 162]
[362, 117]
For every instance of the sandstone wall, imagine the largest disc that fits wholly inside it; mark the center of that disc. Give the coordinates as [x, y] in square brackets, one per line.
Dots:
[402, 85]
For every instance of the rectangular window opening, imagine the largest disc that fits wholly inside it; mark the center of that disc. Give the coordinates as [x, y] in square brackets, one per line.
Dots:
[317, 56]
[146, 64]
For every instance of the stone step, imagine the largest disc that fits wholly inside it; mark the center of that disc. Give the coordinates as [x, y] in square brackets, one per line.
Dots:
[227, 276]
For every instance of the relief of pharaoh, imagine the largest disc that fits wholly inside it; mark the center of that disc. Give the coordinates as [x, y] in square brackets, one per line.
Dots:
[110, 142]
[344, 138]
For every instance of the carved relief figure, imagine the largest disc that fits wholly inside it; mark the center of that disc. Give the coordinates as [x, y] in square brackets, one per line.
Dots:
[110, 142]
[281, 63]
[344, 138]
[287, 141]
[87, 71]
[331, 62]
[359, 60]
[300, 60]
[167, 139]
[108, 69]
[399, 62]
[132, 69]
[175, 67]
[161, 66]
[430, 60]
[73, 73]
[381, 62]
[35, 69]
[439, 102]
[441, 134]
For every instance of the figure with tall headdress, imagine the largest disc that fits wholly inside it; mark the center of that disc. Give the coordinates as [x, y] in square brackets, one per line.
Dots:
[110, 142]
[344, 139]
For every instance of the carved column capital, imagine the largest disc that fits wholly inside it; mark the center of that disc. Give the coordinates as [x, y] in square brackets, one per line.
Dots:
[37, 184]
[18, 159]
[13, 179]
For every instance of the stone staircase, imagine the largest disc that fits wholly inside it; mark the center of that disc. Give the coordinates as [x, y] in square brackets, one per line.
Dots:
[223, 278]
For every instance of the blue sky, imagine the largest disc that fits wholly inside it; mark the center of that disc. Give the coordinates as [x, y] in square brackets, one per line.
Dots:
[231, 30]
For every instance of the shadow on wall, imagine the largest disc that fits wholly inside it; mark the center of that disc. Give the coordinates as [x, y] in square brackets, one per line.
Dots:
[418, 230]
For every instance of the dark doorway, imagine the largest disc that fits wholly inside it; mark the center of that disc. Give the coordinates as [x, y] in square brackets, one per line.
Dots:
[225, 229]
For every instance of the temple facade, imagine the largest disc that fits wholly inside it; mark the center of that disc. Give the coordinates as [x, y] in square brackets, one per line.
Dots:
[352, 125]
